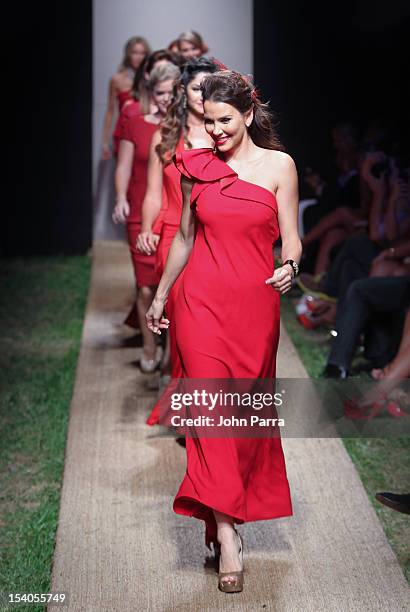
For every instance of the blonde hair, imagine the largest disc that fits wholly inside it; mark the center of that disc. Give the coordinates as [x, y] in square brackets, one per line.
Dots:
[195, 38]
[129, 45]
[163, 72]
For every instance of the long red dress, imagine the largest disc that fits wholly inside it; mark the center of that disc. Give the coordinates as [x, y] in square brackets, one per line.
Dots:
[227, 326]
[139, 132]
[167, 225]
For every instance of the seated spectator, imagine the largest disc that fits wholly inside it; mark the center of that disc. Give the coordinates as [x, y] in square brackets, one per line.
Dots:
[330, 195]
[389, 221]
[358, 258]
[377, 307]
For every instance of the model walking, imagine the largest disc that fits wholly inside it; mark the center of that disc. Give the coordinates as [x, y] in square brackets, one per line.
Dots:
[183, 127]
[238, 199]
[135, 51]
[131, 183]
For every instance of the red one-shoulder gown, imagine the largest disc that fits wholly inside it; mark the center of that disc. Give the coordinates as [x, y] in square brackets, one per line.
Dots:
[227, 326]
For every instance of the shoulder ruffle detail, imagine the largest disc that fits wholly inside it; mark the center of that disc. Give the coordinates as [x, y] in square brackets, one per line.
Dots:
[202, 165]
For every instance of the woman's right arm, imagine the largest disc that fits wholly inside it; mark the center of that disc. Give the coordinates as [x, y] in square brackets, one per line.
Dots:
[151, 204]
[178, 256]
[109, 113]
[122, 180]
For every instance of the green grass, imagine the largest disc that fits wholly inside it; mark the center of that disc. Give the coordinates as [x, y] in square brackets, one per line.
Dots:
[382, 463]
[42, 306]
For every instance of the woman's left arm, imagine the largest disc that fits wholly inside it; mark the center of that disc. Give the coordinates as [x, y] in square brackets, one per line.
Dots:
[287, 197]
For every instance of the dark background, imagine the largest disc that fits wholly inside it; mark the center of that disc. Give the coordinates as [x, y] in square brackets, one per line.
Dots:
[50, 209]
[317, 62]
[323, 62]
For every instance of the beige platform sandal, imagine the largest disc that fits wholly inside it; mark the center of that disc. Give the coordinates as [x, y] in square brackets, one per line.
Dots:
[235, 585]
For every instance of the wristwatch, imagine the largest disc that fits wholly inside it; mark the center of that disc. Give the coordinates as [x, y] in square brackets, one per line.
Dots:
[294, 265]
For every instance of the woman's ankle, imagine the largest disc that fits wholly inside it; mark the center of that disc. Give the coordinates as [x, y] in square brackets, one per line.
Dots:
[226, 534]
[149, 351]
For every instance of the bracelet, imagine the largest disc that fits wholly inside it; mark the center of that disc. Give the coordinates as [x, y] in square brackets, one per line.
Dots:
[293, 265]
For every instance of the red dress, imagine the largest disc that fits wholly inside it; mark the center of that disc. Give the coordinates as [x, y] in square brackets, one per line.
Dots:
[227, 326]
[126, 112]
[170, 215]
[139, 132]
[122, 97]
[167, 225]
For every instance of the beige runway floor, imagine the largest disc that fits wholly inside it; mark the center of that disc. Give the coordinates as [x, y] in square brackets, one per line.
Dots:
[120, 547]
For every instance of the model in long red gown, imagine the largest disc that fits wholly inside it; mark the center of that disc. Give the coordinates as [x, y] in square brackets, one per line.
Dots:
[227, 326]
[140, 133]
[167, 225]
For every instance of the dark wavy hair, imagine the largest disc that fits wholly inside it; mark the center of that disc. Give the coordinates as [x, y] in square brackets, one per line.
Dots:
[233, 88]
[138, 86]
[174, 125]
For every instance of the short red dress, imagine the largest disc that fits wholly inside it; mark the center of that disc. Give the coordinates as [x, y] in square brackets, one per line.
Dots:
[139, 132]
[227, 326]
[127, 111]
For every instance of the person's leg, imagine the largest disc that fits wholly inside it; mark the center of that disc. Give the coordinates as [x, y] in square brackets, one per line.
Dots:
[229, 543]
[349, 324]
[328, 242]
[364, 296]
[360, 251]
[340, 217]
[145, 295]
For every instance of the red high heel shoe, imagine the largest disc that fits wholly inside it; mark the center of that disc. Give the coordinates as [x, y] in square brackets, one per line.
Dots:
[317, 306]
[352, 409]
[313, 321]
[305, 320]
[395, 410]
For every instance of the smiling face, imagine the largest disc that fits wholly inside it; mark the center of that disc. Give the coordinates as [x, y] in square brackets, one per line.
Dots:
[194, 94]
[162, 95]
[226, 125]
[188, 50]
[137, 55]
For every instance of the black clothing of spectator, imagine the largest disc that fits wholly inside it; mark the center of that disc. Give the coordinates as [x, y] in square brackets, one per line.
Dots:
[376, 306]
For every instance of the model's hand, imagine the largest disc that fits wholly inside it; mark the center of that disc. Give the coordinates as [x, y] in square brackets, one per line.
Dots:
[281, 279]
[147, 242]
[155, 320]
[121, 212]
[105, 152]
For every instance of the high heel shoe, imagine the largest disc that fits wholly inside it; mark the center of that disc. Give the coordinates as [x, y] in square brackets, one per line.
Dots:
[353, 409]
[148, 366]
[235, 585]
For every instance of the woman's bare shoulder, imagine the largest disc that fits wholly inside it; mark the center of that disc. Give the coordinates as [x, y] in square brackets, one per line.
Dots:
[283, 161]
[118, 78]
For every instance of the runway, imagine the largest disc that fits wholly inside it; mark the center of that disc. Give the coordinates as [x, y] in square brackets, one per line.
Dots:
[120, 546]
